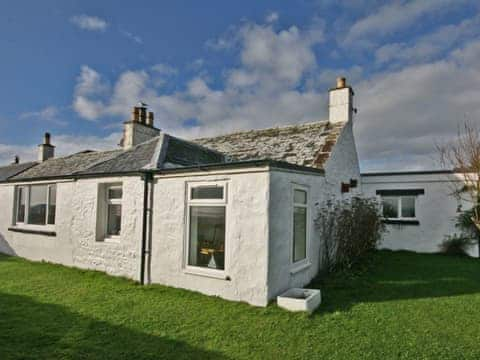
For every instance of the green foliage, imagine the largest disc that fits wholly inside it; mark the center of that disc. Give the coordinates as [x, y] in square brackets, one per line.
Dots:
[405, 306]
[456, 245]
[349, 231]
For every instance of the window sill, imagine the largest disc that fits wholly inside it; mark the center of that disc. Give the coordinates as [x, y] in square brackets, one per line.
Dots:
[32, 231]
[400, 222]
[215, 274]
[111, 240]
[300, 267]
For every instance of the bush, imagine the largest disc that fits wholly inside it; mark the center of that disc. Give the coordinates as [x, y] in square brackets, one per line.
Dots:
[349, 230]
[456, 245]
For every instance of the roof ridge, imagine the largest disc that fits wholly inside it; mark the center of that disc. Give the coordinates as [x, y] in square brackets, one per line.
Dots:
[280, 127]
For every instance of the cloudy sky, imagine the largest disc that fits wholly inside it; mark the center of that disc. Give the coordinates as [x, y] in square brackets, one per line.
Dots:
[75, 68]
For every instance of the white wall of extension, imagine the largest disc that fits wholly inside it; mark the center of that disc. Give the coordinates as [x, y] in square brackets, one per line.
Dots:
[436, 210]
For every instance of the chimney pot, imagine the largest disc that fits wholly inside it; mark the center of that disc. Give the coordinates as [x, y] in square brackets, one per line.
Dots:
[46, 139]
[16, 160]
[143, 115]
[150, 118]
[341, 82]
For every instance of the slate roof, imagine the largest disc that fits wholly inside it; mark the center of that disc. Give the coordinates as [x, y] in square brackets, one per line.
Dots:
[307, 144]
[152, 154]
[14, 169]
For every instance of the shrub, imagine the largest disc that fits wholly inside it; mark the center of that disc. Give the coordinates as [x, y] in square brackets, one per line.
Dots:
[349, 230]
[456, 245]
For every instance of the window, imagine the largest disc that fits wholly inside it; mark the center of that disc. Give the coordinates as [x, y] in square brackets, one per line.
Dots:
[398, 207]
[36, 204]
[114, 210]
[206, 219]
[300, 206]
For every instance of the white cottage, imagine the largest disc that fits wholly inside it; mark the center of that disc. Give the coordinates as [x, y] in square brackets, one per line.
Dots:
[230, 216]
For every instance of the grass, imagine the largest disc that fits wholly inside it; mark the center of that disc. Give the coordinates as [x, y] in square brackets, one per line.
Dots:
[404, 305]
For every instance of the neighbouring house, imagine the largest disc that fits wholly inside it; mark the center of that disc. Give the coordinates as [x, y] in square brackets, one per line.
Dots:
[231, 216]
[418, 206]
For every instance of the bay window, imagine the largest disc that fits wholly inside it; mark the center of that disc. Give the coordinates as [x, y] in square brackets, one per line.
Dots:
[206, 225]
[35, 204]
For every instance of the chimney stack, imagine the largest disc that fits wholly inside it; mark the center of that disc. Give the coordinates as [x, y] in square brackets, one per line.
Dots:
[16, 160]
[140, 128]
[340, 107]
[46, 150]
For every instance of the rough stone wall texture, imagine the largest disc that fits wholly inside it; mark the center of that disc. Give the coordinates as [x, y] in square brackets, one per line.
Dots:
[119, 257]
[282, 272]
[343, 165]
[76, 218]
[435, 210]
[246, 237]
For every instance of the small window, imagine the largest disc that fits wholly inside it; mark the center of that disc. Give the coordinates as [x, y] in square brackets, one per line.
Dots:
[299, 225]
[206, 233]
[36, 204]
[114, 210]
[398, 207]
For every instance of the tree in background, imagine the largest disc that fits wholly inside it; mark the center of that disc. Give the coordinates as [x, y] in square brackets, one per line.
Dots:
[462, 154]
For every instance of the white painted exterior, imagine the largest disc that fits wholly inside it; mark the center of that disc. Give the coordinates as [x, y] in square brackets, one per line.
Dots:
[75, 243]
[343, 165]
[436, 210]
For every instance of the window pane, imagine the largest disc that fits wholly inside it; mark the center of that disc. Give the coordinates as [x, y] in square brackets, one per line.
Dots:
[37, 211]
[299, 233]
[207, 192]
[115, 193]
[390, 207]
[300, 197]
[207, 237]
[52, 204]
[21, 205]
[408, 206]
[114, 220]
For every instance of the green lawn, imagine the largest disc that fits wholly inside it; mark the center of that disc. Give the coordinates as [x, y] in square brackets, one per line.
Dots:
[406, 306]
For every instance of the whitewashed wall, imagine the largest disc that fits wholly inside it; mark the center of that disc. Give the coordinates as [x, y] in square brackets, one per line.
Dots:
[343, 164]
[245, 243]
[76, 218]
[436, 211]
[282, 272]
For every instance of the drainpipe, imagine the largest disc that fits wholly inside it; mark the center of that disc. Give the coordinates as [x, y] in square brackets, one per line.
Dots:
[147, 177]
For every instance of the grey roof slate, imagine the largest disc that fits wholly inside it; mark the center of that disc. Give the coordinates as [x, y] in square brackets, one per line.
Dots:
[307, 144]
[14, 169]
[152, 154]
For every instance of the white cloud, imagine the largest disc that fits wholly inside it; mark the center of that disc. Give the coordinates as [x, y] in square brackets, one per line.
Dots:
[403, 113]
[272, 17]
[264, 89]
[49, 114]
[394, 17]
[131, 36]
[428, 46]
[90, 23]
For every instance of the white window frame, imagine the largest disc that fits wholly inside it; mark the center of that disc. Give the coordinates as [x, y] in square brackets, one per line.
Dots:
[27, 188]
[399, 206]
[305, 262]
[107, 201]
[199, 270]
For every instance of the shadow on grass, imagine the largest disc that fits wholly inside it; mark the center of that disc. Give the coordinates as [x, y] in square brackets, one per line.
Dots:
[32, 330]
[401, 275]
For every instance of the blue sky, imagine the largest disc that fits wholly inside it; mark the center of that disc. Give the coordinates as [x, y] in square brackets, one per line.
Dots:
[75, 68]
